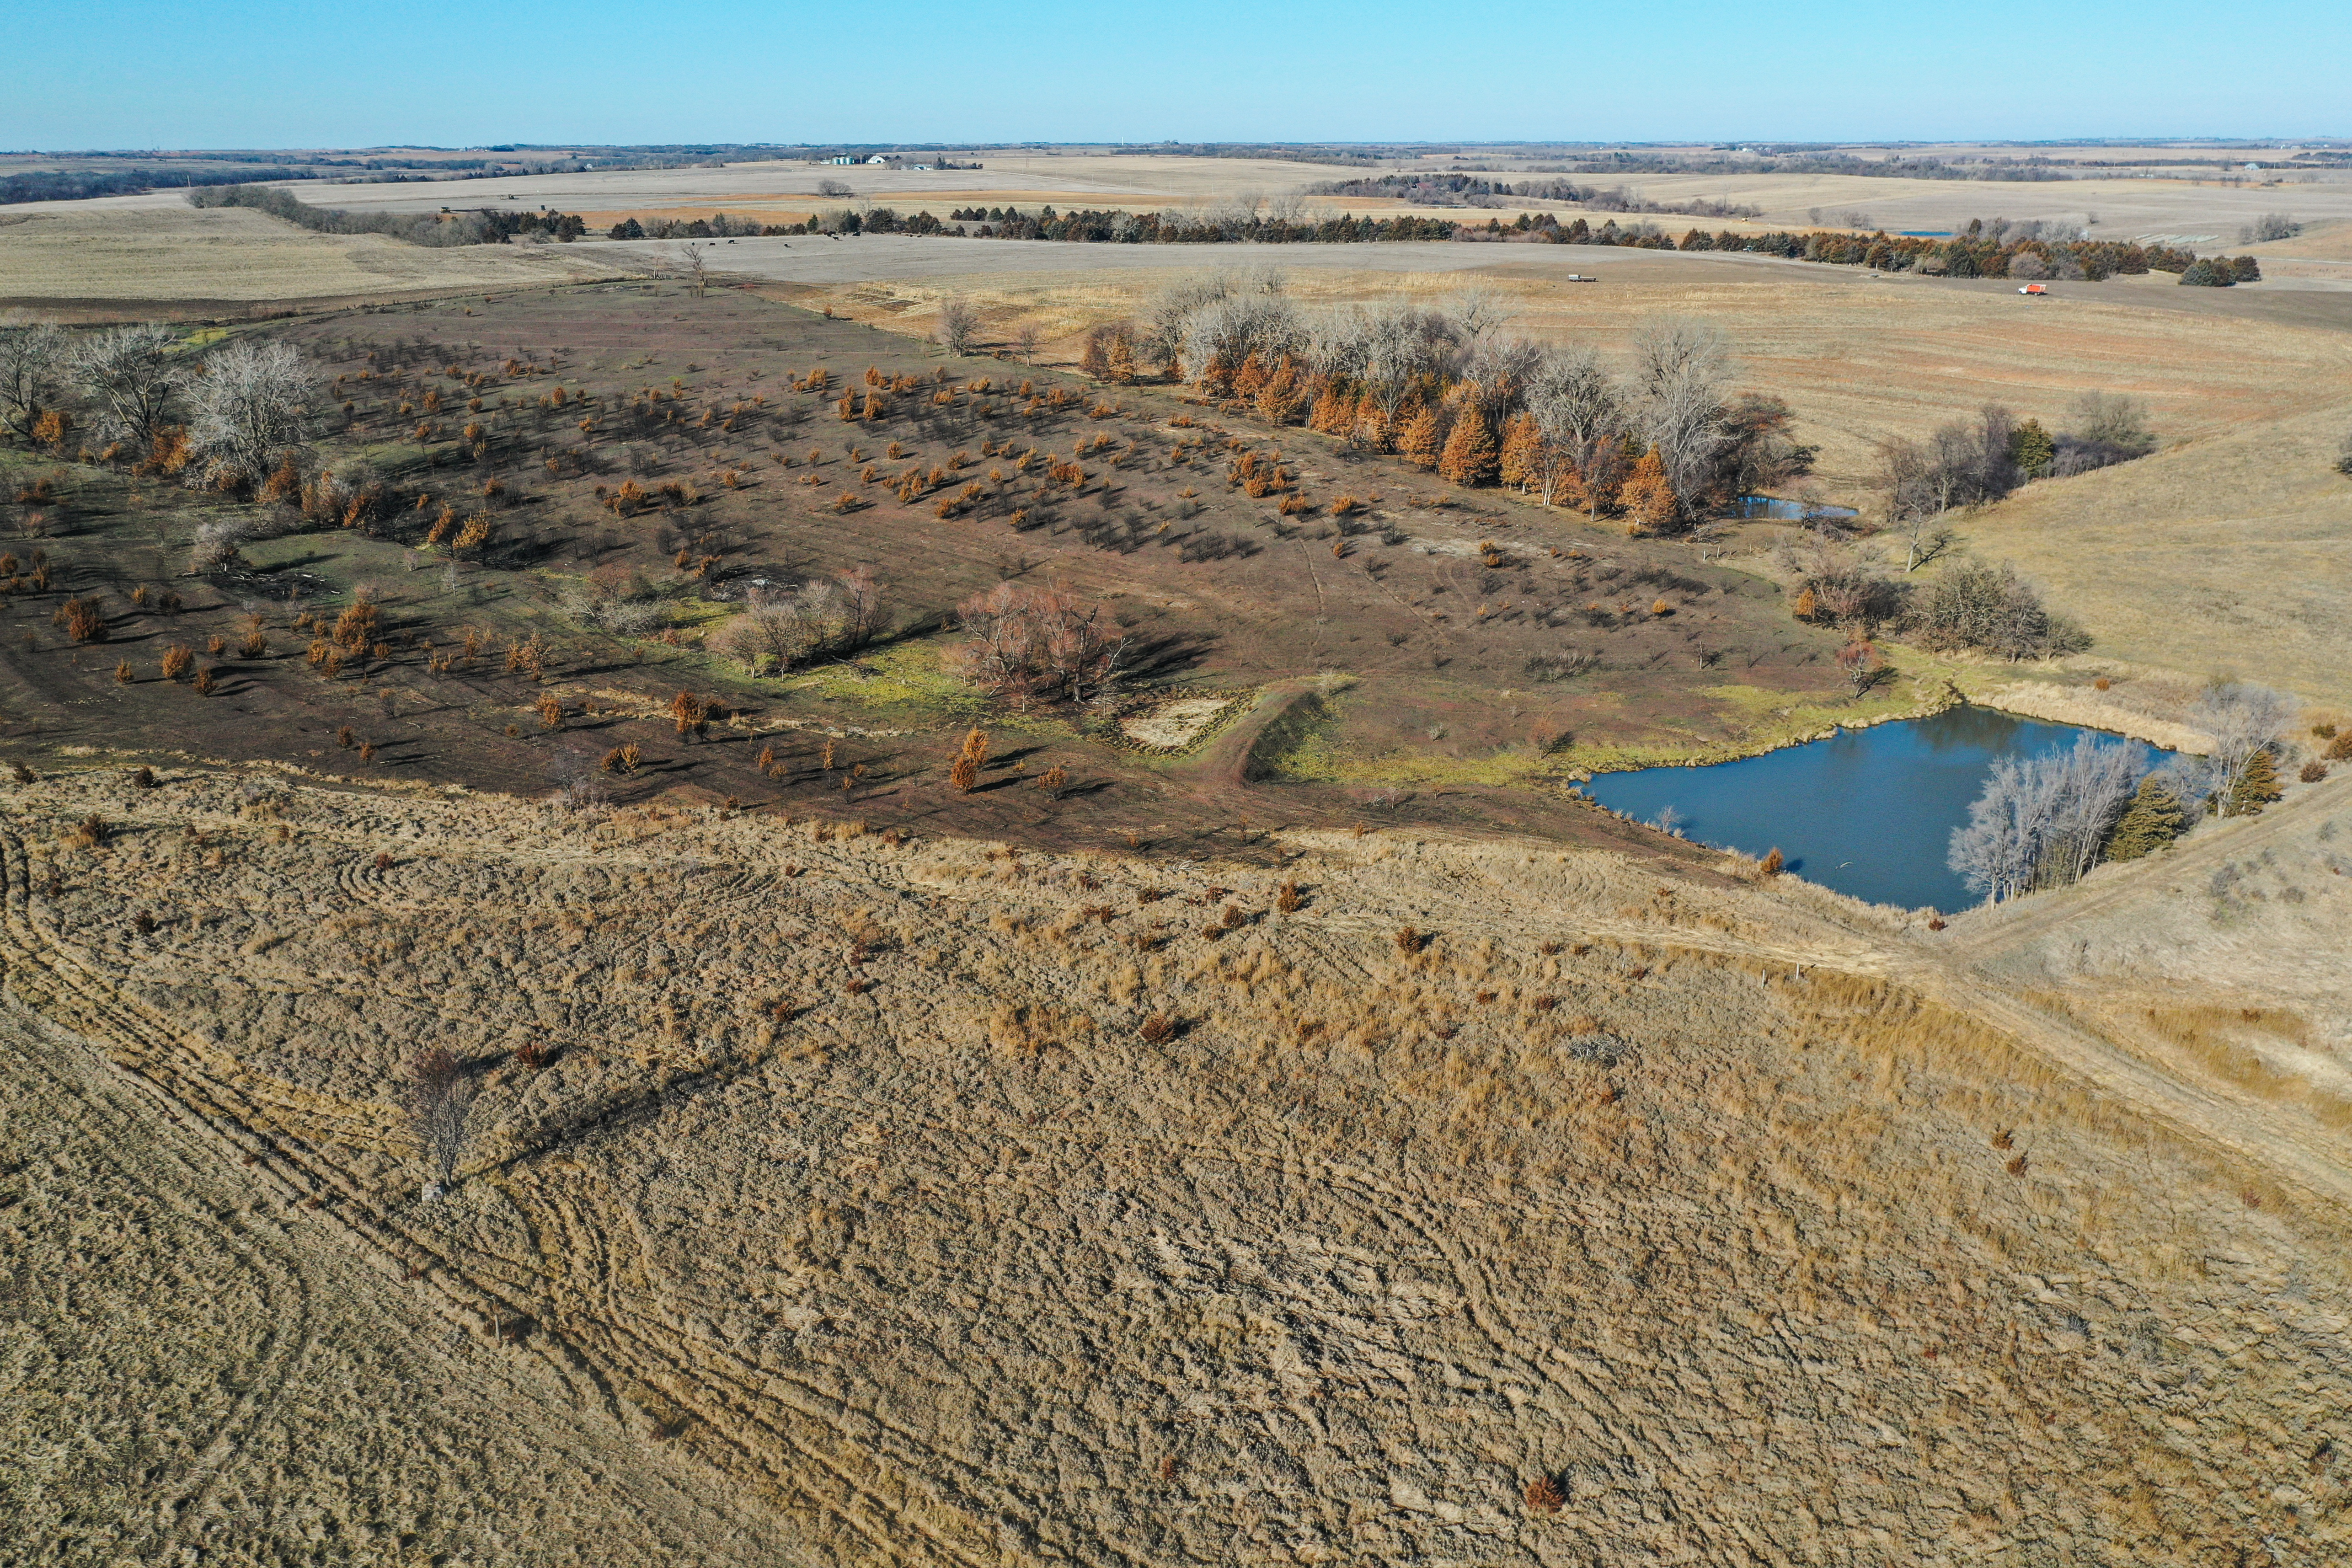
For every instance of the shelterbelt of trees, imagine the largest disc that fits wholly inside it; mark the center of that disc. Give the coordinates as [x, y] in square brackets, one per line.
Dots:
[1986, 248]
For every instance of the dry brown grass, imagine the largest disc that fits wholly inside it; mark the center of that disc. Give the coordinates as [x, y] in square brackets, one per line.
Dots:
[2220, 558]
[1760, 1224]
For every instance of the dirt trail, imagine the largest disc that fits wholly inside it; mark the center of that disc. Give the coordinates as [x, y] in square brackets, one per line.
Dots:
[1959, 975]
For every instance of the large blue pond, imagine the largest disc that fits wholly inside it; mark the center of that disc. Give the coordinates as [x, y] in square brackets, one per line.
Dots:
[1867, 812]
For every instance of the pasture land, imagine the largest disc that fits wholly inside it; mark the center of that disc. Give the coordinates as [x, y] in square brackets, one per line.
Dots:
[1471, 651]
[1303, 1131]
[907, 1190]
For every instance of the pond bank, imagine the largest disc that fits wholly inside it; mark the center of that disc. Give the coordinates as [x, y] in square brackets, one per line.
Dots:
[2093, 710]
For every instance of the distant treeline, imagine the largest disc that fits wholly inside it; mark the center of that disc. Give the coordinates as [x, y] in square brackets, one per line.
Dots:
[1474, 191]
[2031, 169]
[77, 184]
[1098, 227]
[417, 228]
[1997, 250]
[1351, 157]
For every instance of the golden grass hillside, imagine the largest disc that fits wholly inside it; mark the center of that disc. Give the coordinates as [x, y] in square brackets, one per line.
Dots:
[955, 1204]
[2223, 556]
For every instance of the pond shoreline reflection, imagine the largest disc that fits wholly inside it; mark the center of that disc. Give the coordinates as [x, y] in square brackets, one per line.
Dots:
[1867, 812]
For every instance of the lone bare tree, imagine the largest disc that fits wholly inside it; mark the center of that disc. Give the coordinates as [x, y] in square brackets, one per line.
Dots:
[959, 326]
[1477, 311]
[2244, 721]
[696, 260]
[251, 403]
[439, 1096]
[131, 373]
[32, 354]
[1682, 367]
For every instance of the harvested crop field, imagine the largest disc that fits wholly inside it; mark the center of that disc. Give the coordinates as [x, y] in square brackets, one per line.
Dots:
[2177, 203]
[79, 256]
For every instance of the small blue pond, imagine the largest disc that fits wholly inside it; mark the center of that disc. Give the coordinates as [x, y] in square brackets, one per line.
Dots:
[1785, 511]
[1867, 812]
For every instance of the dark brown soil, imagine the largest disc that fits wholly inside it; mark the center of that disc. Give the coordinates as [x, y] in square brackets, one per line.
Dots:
[1437, 602]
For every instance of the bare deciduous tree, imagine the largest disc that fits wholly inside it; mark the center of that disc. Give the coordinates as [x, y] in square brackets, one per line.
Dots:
[959, 325]
[440, 1094]
[695, 261]
[1477, 311]
[1681, 369]
[1502, 369]
[1041, 642]
[836, 614]
[1963, 464]
[32, 356]
[2041, 821]
[251, 406]
[2243, 719]
[1401, 343]
[1580, 411]
[1222, 333]
[833, 188]
[131, 373]
[1171, 313]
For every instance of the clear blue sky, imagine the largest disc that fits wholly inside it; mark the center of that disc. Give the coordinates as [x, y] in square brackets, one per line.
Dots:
[279, 74]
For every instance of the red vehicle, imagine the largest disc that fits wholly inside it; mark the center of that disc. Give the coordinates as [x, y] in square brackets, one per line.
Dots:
[2035, 288]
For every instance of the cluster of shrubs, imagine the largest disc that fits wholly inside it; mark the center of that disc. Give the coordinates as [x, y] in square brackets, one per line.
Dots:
[1973, 462]
[1976, 606]
[2223, 273]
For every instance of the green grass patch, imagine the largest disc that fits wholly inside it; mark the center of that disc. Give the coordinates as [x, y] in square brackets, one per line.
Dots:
[906, 683]
[1322, 755]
